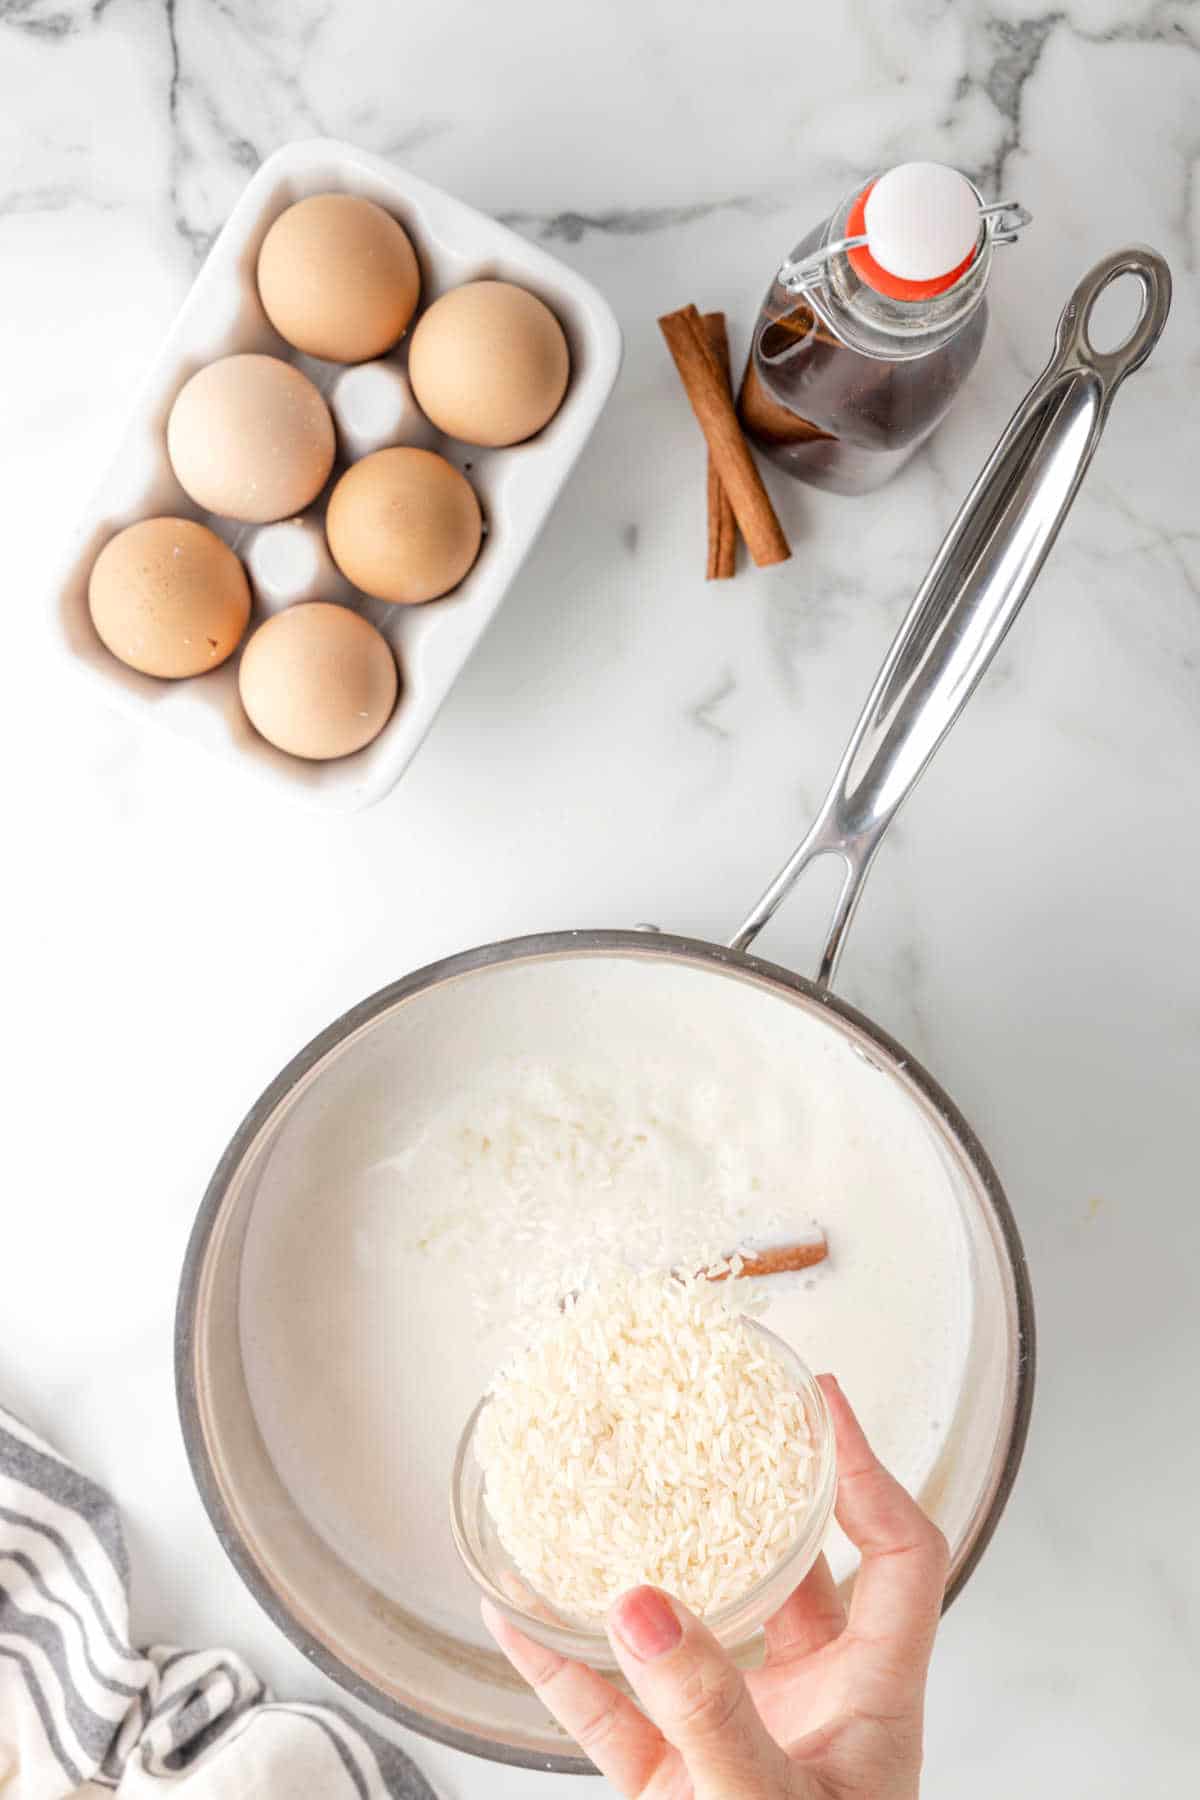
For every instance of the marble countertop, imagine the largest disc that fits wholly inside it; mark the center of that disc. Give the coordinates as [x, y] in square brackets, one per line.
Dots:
[632, 744]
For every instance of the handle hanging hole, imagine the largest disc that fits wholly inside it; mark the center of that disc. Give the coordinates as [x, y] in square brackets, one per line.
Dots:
[1115, 313]
[1077, 333]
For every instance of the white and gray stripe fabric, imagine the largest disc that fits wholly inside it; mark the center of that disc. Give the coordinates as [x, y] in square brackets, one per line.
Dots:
[78, 1704]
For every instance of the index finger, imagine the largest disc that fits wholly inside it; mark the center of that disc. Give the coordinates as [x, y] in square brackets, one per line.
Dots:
[899, 1587]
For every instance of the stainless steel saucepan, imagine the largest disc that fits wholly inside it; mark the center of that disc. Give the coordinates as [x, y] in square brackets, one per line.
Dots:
[411, 1647]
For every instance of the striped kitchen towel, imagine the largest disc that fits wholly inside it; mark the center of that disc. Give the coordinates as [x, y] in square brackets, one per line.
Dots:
[78, 1704]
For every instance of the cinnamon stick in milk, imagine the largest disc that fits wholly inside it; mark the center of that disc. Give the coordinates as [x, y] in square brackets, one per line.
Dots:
[712, 403]
[783, 1259]
[722, 526]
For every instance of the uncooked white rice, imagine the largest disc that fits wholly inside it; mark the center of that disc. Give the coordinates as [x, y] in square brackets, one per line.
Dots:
[548, 1178]
[646, 1434]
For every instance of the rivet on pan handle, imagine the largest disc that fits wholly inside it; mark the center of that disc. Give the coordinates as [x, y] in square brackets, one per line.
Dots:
[986, 566]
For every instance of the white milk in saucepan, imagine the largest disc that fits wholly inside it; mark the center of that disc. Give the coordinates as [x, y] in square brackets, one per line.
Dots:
[388, 1252]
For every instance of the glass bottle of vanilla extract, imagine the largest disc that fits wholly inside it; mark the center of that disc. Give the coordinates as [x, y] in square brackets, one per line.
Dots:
[872, 325]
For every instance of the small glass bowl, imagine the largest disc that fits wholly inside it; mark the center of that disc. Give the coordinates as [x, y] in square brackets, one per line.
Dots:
[584, 1640]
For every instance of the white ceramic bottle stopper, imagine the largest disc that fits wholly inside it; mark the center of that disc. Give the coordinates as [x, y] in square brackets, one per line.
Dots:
[911, 233]
[922, 221]
[373, 409]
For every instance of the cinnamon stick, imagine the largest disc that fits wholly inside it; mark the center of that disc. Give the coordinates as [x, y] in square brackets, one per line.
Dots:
[783, 1260]
[722, 526]
[712, 403]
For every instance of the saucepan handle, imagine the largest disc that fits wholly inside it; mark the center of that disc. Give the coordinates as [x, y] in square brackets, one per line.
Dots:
[986, 566]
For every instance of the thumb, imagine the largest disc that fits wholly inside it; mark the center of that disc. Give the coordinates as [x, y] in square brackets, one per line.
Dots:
[695, 1696]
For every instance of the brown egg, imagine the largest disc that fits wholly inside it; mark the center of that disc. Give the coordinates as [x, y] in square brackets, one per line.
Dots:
[489, 363]
[318, 681]
[403, 525]
[251, 437]
[169, 598]
[338, 277]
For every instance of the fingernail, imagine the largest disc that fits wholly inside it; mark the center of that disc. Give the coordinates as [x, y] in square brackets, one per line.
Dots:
[645, 1622]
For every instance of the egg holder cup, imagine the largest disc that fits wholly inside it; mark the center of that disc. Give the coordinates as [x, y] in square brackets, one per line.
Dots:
[517, 486]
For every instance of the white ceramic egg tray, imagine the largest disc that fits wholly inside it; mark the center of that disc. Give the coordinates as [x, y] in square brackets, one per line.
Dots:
[517, 487]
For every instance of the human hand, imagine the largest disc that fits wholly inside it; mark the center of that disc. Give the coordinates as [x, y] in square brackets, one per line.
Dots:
[835, 1711]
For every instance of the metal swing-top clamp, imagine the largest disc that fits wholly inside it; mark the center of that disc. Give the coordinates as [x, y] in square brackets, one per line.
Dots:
[913, 233]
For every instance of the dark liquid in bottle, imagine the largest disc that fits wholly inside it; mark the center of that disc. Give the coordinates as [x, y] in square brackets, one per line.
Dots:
[834, 416]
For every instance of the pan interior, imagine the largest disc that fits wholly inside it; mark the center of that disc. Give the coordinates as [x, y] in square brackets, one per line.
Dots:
[348, 1258]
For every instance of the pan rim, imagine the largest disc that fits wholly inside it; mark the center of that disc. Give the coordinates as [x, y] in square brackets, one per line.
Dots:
[536, 947]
